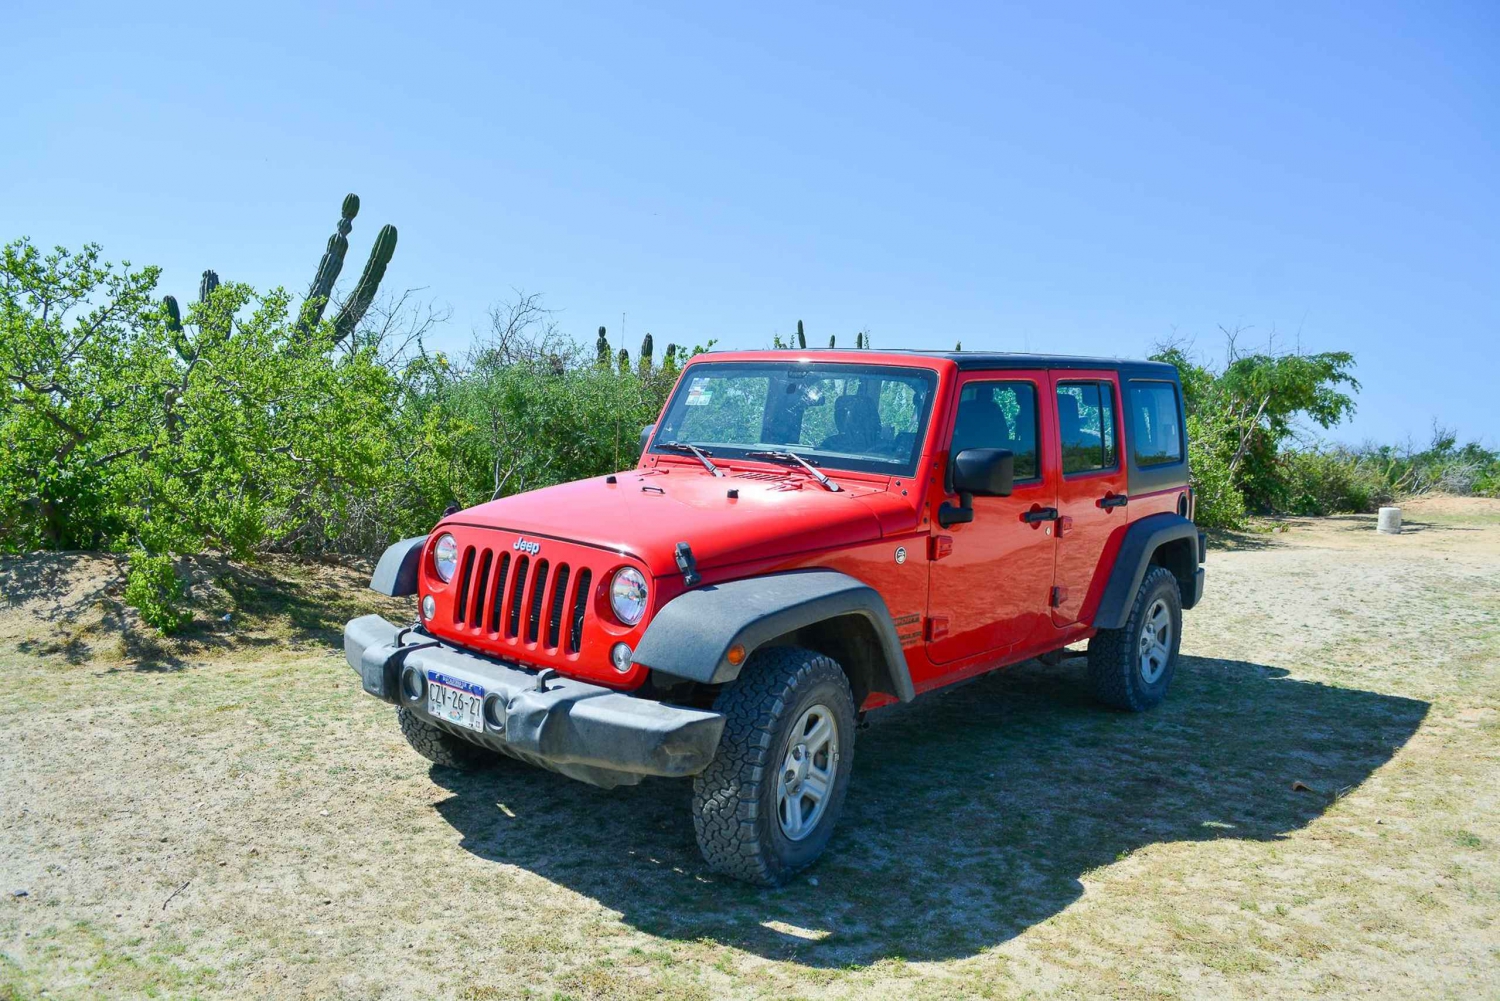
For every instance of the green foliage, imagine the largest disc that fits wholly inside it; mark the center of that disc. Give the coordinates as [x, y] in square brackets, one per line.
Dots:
[126, 427]
[153, 588]
[1329, 480]
[1250, 410]
[1219, 504]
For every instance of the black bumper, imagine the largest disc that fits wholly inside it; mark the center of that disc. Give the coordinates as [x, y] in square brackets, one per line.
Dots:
[584, 731]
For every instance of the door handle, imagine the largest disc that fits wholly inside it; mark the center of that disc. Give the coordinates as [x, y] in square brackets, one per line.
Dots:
[1114, 500]
[1041, 514]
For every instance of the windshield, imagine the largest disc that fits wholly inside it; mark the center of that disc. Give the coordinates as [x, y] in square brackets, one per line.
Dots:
[870, 418]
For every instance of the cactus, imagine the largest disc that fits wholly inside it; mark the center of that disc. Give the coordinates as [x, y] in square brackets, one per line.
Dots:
[329, 267]
[959, 346]
[831, 338]
[601, 350]
[859, 340]
[369, 283]
[174, 316]
[669, 360]
[207, 284]
[801, 337]
[646, 355]
[624, 362]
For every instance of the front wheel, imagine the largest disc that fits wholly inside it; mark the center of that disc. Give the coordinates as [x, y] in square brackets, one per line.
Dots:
[1130, 668]
[765, 807]
[438, 745]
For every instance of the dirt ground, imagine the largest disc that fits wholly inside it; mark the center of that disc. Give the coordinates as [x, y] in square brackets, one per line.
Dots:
[1313, 811]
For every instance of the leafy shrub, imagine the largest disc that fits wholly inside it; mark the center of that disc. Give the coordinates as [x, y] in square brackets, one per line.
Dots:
[1328, 481]
[1219, 503]
[153, 588]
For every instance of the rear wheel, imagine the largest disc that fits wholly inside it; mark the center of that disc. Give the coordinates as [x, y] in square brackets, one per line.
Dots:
[1130, 668]
[438, 745]
[766, 806]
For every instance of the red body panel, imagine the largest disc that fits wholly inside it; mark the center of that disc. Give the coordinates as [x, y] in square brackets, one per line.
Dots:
[985, 601]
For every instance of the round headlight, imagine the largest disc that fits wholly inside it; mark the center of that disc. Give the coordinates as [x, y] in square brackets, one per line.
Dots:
[627, 595]
[445, 557]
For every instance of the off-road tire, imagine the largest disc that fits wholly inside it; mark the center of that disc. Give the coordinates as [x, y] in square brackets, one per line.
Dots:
[1115, 673]
[439, 746]
[734, 798]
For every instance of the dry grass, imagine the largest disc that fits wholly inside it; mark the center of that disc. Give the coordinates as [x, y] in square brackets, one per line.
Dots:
[227, 816]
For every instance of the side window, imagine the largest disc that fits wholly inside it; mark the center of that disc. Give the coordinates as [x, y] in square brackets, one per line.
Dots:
[999, 415]
[1156, 435]
[1086, 425]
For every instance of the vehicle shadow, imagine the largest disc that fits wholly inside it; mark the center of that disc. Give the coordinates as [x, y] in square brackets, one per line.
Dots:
[971, 814]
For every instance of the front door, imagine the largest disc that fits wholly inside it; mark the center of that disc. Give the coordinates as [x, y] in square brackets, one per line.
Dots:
[991, 578]
[1091, 483]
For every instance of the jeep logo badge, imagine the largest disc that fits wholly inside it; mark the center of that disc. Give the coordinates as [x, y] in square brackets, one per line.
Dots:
[529, 548]
[900, 554]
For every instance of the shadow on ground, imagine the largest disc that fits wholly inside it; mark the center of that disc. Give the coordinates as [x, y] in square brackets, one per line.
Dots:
[971, 815]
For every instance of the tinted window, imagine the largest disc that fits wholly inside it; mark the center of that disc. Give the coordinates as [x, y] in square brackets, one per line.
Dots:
[1155, 432]
[999, 415]
[1086, 425]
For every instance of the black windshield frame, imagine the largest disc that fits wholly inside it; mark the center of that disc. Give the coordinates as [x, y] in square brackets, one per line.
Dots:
[924, 383]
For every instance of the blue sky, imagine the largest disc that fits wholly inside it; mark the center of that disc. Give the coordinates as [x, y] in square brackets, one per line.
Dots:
[1081, 180]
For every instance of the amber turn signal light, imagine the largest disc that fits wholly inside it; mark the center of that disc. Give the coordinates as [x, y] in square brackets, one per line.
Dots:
[736, 655]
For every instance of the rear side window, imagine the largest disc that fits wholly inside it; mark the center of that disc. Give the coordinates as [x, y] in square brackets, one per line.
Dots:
[1086, 425]
[1155, 430]
[999, 415]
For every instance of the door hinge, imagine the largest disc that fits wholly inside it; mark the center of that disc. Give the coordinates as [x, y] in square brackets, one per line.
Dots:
[939, 546]
[1059, 595]
[937, 627]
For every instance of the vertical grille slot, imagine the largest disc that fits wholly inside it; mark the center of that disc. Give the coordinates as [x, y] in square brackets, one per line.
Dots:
[481, 581]
[498, 601]
[517, 591]
[534, 614]
[467, 569]
[559, 598]
[580, 603]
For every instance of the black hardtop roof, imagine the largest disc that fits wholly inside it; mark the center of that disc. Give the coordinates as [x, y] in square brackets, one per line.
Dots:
[984, 360]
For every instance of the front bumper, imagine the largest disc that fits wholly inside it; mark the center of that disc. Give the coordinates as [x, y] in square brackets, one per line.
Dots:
[584, 731]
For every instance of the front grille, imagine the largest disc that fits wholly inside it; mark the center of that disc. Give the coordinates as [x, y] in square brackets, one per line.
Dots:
[536, 602]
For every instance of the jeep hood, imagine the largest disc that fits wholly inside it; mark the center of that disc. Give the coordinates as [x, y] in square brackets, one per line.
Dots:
[647, 512]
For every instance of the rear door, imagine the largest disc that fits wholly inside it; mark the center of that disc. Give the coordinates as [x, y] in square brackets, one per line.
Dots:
[1091, 494]
[990, 578]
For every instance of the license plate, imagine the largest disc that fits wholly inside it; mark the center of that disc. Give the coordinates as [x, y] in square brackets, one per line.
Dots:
[455, 700]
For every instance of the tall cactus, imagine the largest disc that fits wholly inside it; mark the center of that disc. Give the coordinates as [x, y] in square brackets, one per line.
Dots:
[206, 285]
[601, 350]
[645, 363]
[173, 314]
[624, 362]
[369, 283]
[669, 360]
[859, 340]
[959, 346]
[329, 267]
[801, 337]
[831, 339]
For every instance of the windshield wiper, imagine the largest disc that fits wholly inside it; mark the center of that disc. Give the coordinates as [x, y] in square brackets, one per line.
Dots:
[698, 453]
[794, 457]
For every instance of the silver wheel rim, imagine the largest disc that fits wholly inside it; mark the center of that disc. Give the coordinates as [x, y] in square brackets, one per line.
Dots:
[808, 770]
[1156, 641]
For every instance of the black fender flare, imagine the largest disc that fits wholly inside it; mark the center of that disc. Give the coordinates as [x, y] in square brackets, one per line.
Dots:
[396, 573]
[1142, 540]
[691, 635]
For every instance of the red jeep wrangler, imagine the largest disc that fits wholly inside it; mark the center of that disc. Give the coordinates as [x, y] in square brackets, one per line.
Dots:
[808, 535]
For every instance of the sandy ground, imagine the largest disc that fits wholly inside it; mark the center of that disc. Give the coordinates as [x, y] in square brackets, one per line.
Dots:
[1313, 812]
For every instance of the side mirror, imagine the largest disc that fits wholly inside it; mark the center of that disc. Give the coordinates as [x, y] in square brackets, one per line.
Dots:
[646, 436]
[989, 472]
